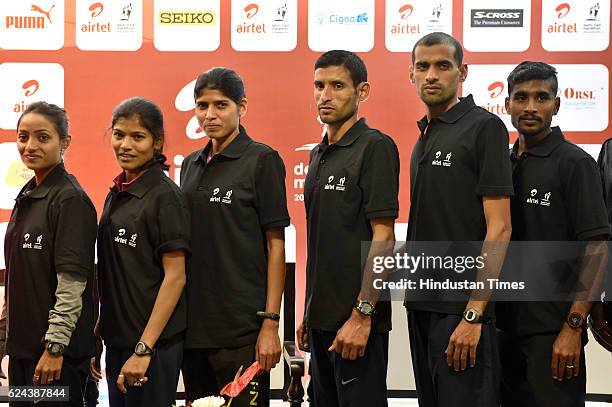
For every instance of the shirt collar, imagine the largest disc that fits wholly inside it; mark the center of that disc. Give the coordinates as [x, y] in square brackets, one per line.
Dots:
[234, 150]
[350, 136]
[453, 114]
[144, 182]
[544, 147]
[40, 191]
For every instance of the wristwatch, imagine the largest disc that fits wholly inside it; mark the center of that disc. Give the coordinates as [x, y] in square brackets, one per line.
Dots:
[575, 320]
[472, 316]
[55, 349]
[142, 349]
[365, 307]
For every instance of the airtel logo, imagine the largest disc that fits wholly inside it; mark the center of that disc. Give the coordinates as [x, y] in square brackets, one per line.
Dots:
[251, 10]
[562, 10]
[30, 87]
[496, 88]
[571, 93]
[406, 11]
[184, 102]
[96, 9]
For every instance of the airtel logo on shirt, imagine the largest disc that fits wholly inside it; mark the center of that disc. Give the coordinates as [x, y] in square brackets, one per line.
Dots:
[533, 200]
[34, 244]
[226, 199]
[124, 240]
[338, 186]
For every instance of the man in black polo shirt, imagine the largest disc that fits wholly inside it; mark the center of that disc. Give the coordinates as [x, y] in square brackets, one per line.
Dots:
[558, 197]
[351, 196]
[460, 187]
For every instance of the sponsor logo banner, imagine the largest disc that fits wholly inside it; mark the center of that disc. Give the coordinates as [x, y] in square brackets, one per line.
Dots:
[408, 20]
[339, 24]
[269, 25]
[499, 26]
[109, 25]
[24, 83]
[35, 25]
[186, 25]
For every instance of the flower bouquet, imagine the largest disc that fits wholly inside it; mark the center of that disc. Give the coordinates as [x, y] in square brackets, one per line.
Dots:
[232, 389]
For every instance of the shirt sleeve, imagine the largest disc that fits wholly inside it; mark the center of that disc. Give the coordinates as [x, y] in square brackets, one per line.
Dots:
[174, 224]
[270, 191]
[67, 308]
[75, 238]
[584, 198]
[379, 180]
[494, 176]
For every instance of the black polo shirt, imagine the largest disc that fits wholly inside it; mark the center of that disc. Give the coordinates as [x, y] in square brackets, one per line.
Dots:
[138, 225]
[52, 230]
[349, 183]
[558, 197]
[459, 157]
[234, 198]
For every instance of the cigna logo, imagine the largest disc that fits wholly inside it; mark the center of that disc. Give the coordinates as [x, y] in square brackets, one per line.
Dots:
[406, 11]
[251, 10]
[562, 10]
[495, 89]
[96, 9]
[37, 21]
[30, 87]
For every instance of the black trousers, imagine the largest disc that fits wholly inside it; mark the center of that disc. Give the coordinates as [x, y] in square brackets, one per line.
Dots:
[527, 378]
[73, 375]
[163, 375]
[338, 382]
[439, 385]
[207, 371]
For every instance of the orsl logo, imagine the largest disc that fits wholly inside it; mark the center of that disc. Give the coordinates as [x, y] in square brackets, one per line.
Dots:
[562, 10]
[30, 22]
[251, 10]
[406, 11]
[30, 87]
[495, 89]
[571, 93]
[96, 9]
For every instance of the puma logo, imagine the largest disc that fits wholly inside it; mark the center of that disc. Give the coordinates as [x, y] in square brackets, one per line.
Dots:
[41, 11]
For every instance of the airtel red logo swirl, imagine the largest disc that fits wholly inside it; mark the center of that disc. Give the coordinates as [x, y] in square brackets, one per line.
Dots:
[96, 9]
[251, 10]
[30, 87]
[562, 10]
[406, 11]
[496, 88]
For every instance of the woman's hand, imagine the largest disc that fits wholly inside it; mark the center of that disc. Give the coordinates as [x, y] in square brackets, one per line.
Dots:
[48, 369]
[133, 372]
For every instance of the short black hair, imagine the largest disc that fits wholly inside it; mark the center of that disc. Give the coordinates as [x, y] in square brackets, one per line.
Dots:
[225, 80]
[529, 71]
[347, 59]
[440, 38]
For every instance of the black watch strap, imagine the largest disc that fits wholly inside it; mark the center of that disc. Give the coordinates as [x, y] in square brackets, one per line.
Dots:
[268, 315]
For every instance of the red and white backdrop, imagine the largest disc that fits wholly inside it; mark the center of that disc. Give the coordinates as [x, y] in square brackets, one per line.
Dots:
[89, 55]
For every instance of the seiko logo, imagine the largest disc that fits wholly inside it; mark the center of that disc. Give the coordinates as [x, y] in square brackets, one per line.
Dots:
[186, 18]
[497, 18]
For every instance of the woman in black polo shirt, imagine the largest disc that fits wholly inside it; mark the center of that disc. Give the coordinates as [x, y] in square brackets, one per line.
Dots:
[142, 243]
[235, 187]
[49, 253]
